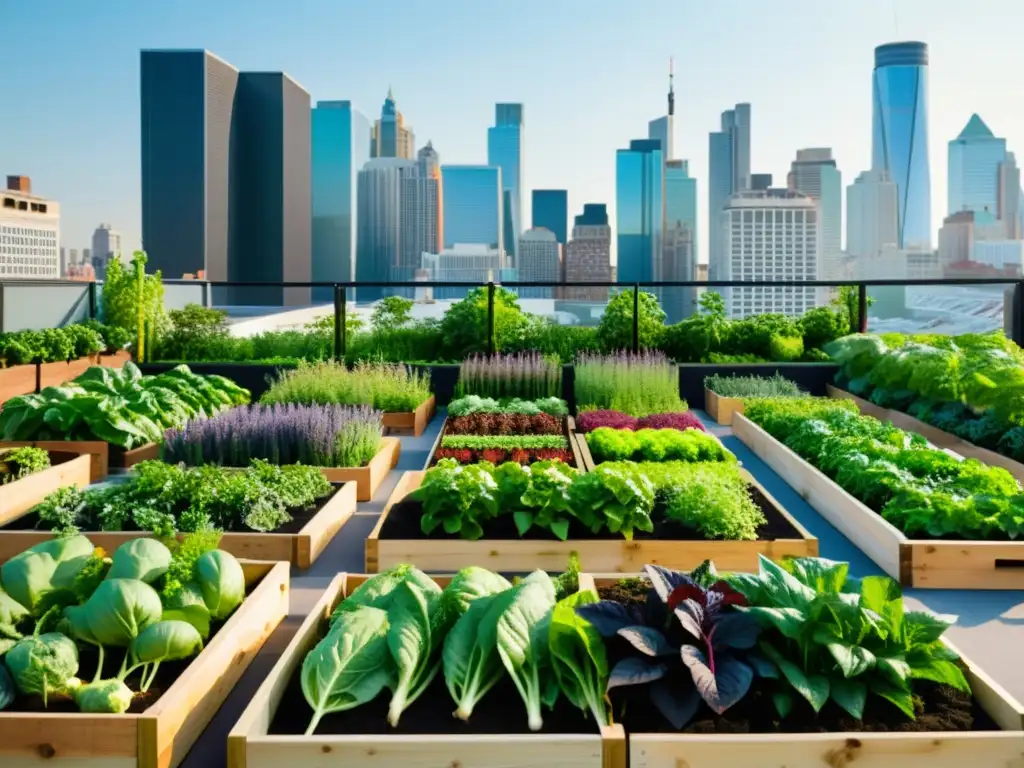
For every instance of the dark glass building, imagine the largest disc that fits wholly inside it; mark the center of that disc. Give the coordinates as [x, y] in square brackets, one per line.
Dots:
[900, 135]
[551, 211]
[639, 195]
[505, 151]
[473, 205]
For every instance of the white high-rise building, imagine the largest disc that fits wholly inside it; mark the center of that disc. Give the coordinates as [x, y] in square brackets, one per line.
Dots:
[871, 214]
[29, 232]
[814, 173]
[771, 235]
[540, 260]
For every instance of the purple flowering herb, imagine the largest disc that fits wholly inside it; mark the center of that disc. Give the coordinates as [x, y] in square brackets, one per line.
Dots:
[527, 375]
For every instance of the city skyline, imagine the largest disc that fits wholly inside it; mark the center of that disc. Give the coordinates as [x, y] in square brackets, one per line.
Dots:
[452, 104]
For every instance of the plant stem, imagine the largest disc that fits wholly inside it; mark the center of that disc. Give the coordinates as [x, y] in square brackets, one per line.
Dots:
[99, 664]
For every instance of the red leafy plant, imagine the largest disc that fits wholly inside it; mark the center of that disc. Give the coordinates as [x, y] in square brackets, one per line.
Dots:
[680, 420]
[588, 421]
[504, 424]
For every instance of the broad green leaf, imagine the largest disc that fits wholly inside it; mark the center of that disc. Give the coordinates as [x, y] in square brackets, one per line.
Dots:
[895, 668]
[814, 688]
[900, 696]
[926, 627]
[942, 672]
[578, 656]
[783, 703]
[791, 622]
[852, 660]
[412, 617]
[782, 588]
[851, 695]
[819, 574]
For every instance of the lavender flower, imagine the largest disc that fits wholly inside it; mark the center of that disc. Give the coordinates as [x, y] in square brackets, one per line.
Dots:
[316, 435]
[526, 375]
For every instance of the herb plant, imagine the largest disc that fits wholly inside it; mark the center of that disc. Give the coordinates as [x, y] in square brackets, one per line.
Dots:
[752, 386]
[608, 444]
[393, 388]
[16, 463]
[526, 375]
[637, 384]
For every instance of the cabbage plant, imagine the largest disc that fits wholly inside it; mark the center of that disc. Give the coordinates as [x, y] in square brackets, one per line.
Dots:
[43, 664]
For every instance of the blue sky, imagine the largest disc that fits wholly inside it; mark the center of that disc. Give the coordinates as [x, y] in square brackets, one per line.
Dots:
[591, 74]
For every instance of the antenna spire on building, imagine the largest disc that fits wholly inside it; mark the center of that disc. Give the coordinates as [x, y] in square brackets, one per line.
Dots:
[671, 87]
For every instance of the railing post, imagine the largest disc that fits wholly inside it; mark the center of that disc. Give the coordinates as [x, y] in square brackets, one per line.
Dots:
[490, 318]
[636, 317]
[92, 300]
[862, 308]
[339, 323]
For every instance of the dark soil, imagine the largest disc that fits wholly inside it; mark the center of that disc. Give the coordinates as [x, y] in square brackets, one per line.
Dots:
[501, 711]
[403, 522]
[87, 659]
[939, 707]
[300, 516]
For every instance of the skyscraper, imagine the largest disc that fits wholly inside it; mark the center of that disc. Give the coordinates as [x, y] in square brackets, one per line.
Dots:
[187, 111]
[662, 129]
[588, 254]
[270, 203]
[814, 173]
[1009, 209]
[106, 245]
[540, 258]
[340, 147]
[872, 214]
[428, 163]
[473, 205]
[505, 151]
[974, 159]
[551, 211]
[639, 202]
[680, 239]
[900, 136]
[420, 217]
[379, 237]
[390, 136]
[729, 173]
[770, 235]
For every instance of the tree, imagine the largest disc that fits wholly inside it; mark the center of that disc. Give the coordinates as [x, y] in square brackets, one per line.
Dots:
[848, 300]
[464, 326]
[131, 295]
[391, 312]
[615, 330]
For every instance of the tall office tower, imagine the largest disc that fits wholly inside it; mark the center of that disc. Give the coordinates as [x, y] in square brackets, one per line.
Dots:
[872, 214]
[974, 159]
[729, 173]
[956, 238]
[770, 235]
[551, 211]
[900, 136]
[428, 163]
[1009, 208]
[505, 151]
[760, 182]
[271, 190]
[814, 173]
[340, 147]
[379, 233]
[540, 260]
[679, 246]
[662, 129]
[588, 254]
[106, 245]
[639, 202]
[420, 220]
[390, 137]
[473, 203]
[29, 232]
[187, 110]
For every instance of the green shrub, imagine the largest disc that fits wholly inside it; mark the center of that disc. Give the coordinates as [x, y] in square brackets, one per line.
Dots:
[615, 330]
[752, 386]
[785, 349]
[464, 326]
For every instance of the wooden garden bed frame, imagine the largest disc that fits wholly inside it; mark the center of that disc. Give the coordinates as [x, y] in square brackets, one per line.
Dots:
[301, 549]
[368, 478]
[103, 456]
[56, 374]
[915, 563]
[993, 749]
[721, 408]
[411, 422]
[588, 458]
[250, 745]
[605, 555]
[934, 435]
[161, 736]
[19, 497]
[18, 380]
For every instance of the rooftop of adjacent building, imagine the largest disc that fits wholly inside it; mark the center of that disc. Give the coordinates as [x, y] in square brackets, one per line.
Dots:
[539, 234]
[903, 54]
[18, 198]
[975, 130]
[775, 197]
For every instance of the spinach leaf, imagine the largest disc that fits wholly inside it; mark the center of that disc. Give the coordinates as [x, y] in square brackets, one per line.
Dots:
[578, 656]
[470, 657]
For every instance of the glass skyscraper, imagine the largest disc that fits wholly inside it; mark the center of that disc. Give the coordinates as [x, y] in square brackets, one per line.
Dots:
[729, 173]
[680, 248]
[551, 211]
[340, 148]
[505, 151]
[974, 158]
[472, 205]
[639, 191]
[900, 135]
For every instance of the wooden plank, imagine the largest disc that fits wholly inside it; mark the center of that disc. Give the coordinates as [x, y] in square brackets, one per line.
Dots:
[300, 549]
[937, 437]
[878, 539]
[116, 360]
[607, 555]
[18, 380]
[966, 564]
[251, 746]
[721, 409]
[584, 449]
[411, 422]
[160, 736]
[19, 497]
[128, 459]
[97, 450]
[368, 478]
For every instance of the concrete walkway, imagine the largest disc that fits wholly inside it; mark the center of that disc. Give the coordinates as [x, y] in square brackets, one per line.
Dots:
[990, 628]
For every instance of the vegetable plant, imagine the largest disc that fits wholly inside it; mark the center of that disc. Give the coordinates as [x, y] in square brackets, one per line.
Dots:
[471, 404]
[637, 384]
[607, 444]
[527, 375]
[457, 498]
[16, 463]
[384, 387]
[752, 386]
[578, 657]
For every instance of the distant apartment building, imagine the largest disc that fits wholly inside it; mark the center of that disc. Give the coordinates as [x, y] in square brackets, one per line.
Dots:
[106, 245]
[814, 173]
[770, 235]
[29, 232]
[872, 214]
[588, 254]
[540, 260]
[226, 186]
[390, 136]
[474, 263]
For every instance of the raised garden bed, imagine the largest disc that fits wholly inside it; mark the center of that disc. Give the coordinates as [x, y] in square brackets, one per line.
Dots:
[397, 538]
[56, 374]
[18, 380]
[935, 564]
[18, 497]
[997, 741]
[568, 432]
[268, 733]
[115, 360]
[589, 463]
[299, 542]
[411, 422]
[934, 435]
[721, 409]
[368, 478]
[161, 735]
[102, 456]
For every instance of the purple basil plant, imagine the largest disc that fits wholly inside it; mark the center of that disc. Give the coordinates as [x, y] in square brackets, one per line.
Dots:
[316, 435]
